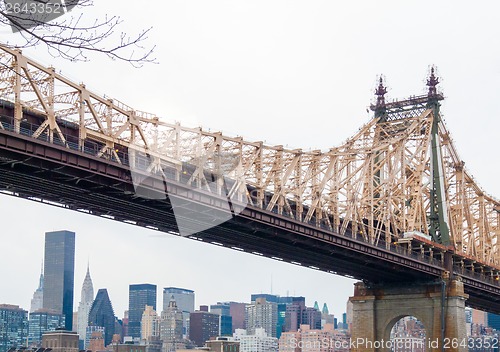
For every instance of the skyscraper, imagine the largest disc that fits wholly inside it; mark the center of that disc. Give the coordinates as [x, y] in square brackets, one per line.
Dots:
[283, 309]
[87, 298]
[139, 297]
[150, 325]
[171, 323]
[102, 315]
[185, 302]
[237, 312]
[262, 314]
[37, 300]
[13, 326]
[42, 321]
[225, 319]
[203, 326]
[312, 317]
[59, 272]
[326, 317]
[297, 314]
[171, 328]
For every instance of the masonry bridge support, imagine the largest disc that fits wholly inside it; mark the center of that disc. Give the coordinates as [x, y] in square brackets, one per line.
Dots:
[439, 305]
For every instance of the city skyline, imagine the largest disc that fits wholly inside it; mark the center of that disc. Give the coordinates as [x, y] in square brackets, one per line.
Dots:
[119, 297]
[297, 75]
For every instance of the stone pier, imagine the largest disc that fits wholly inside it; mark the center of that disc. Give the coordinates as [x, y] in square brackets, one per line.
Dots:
[377, 308]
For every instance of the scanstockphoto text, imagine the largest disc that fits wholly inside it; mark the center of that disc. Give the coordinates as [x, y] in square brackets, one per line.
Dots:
[407, 343]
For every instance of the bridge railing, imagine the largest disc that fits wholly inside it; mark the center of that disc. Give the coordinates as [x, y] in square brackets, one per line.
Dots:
[413, 253]
[392, 247]
[71, 142]
[480, 276]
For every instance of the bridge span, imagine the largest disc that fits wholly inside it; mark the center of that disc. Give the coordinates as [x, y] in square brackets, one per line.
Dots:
[344, 211]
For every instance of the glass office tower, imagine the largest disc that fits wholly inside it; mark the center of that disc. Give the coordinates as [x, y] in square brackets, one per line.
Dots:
[59, 269]
[13, 326]
[102, 314]
[185, 302]
[140, 295]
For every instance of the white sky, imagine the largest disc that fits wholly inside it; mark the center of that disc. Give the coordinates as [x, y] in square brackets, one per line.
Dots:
[297, 73]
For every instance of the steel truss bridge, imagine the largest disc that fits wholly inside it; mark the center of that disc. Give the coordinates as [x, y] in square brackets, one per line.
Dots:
[344, 211]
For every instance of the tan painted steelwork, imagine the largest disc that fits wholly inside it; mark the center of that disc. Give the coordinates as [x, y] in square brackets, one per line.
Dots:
[373, 187]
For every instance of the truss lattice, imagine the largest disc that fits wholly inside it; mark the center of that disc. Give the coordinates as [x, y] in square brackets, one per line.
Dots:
[374, 187]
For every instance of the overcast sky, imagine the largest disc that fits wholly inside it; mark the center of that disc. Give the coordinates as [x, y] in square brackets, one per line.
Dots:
[297, 73]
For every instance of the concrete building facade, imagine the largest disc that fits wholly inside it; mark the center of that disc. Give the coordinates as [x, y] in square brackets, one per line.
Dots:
[61, 341]
[259, 341]
[262, 314]
[185, 302]
[203, 326]
[150, 324]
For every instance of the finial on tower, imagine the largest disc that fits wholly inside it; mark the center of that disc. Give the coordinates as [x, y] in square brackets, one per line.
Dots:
[380, 92]
[380, 108]
[432, 83]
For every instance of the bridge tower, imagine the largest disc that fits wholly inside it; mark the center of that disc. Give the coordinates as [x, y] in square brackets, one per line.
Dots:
[439, 305]
[387, 113]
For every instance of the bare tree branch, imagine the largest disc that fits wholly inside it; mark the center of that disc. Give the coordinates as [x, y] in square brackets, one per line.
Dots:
[73, 37]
